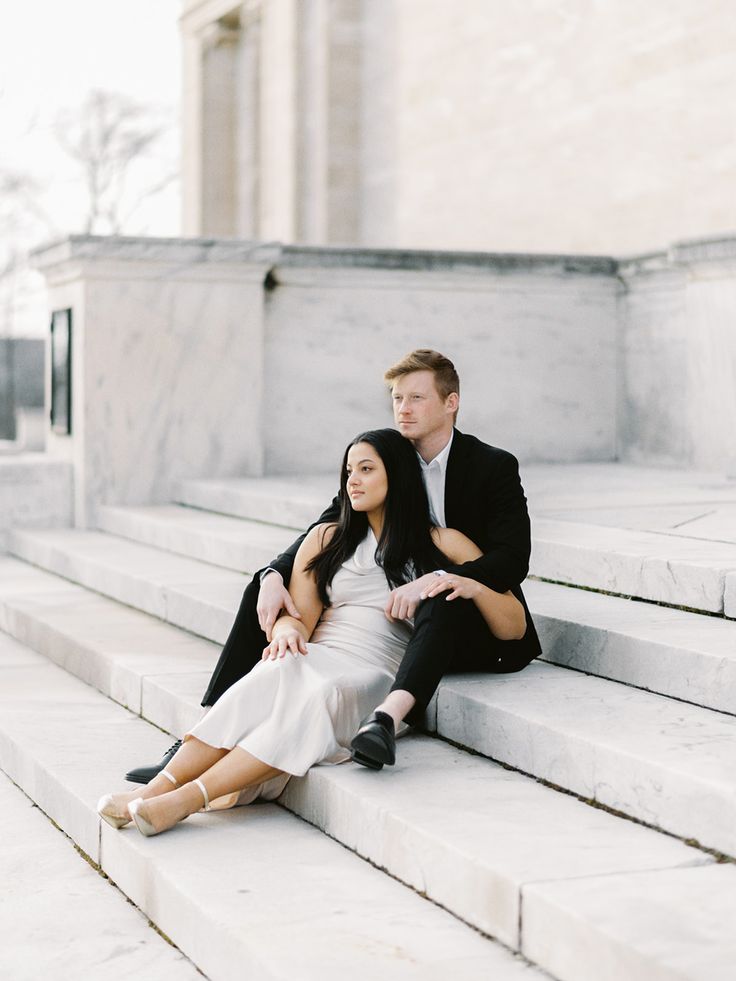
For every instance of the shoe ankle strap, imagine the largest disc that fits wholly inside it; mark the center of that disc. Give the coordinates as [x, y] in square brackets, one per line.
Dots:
[170, 776]
[204, 793]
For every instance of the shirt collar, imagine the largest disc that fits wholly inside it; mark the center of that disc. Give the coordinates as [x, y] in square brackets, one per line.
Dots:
[441, 458]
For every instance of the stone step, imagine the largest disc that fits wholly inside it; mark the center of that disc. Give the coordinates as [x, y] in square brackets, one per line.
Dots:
[689, 656]
[640, 753]
[195, 595]
[664, 762]
[292, 501]
[645, 755]
[681, 572]
[118, 650]
[234, 543]
[515, 833]
[251, 892]
[624, 923]
[92, 637]
[673, 652]
[61, 918]
[627, 748]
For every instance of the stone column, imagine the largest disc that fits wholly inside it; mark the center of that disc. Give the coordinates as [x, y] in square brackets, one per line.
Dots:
[219, 157]
[328, 133]
[191, 133]
[248, 123]
[344, 99]
[378, 123]
[167, 369]
[278, 119]
[312, 126]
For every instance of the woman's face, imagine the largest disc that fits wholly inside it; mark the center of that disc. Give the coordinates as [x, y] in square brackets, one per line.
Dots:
[367, 483]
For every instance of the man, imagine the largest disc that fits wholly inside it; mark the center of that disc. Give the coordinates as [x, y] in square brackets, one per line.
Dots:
[472, 487]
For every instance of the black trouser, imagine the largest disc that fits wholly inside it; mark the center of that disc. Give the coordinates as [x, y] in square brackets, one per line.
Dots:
[448, 637]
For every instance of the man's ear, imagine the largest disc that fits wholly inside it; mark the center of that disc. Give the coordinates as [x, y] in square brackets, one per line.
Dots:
[452, 401]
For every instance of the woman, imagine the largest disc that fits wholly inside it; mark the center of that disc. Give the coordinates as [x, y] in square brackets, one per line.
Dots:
[293, 711]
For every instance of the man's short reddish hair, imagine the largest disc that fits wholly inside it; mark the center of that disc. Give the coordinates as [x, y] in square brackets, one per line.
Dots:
[423, 359]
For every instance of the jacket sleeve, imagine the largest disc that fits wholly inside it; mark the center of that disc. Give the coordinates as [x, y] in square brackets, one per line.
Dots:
[284, 563]
[504, 528]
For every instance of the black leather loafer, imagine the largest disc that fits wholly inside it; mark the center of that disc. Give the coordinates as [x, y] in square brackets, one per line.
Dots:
[144, 774]
[375, 743]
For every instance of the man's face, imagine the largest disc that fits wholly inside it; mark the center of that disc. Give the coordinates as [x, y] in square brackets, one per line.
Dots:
[419, 410]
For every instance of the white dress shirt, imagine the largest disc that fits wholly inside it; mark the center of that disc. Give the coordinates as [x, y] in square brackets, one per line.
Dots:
[434, 474]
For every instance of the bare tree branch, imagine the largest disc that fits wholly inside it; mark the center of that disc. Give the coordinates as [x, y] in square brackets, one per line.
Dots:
[108, 136]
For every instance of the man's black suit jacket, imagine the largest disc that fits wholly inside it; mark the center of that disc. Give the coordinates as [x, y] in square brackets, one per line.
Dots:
[484, 500]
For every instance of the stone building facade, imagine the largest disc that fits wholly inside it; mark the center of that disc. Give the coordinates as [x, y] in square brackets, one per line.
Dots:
[550, 125]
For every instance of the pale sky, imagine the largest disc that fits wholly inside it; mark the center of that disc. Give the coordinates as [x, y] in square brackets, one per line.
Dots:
[52, 53]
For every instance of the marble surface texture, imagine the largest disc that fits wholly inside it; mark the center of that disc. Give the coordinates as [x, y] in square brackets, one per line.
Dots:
[680, 319]
[35, 491]
[60, 919]
[214, 538]
[729, 598]
[110, 646]
[547, 344]
[170, 387]
[679, 571]
[470, 834]
[674, 652]
[674, 925]
[312, 914]
[667, 763]
[167, 363]
[293, 501]
[139, 575]
[515, 831]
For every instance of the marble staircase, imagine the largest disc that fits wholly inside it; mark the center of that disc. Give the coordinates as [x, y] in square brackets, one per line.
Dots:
[633, 710]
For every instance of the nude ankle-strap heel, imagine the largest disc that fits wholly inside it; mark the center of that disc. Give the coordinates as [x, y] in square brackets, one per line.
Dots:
[108, 809]
[204, 794]
[144, 825]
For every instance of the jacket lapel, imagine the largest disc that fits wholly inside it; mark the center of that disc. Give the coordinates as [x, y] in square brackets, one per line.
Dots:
[454, 479]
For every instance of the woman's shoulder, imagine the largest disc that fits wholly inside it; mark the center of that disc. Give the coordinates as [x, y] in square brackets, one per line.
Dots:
[320, 535]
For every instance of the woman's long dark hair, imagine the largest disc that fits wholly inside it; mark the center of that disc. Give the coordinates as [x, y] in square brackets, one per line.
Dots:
[405, 548]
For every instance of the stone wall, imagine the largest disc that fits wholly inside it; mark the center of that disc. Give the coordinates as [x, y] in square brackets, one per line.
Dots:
[167, 363]
[533, 339]
[222, 358]
[542, 126]
[566, 126]
[678, 357]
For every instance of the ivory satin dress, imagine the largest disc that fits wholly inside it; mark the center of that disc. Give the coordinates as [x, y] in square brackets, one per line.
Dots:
[297, 711]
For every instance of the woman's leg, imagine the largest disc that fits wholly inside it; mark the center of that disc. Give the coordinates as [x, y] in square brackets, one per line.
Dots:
[234, 771]
[192, 758]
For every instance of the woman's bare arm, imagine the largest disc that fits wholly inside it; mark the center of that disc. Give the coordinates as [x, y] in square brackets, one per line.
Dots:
[503, 612]
[289, 633]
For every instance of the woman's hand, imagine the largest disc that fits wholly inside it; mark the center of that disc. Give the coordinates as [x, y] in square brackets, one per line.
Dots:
[459, 587]
[290, 640]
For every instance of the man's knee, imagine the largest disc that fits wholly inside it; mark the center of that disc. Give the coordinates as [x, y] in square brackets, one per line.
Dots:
[438, 609]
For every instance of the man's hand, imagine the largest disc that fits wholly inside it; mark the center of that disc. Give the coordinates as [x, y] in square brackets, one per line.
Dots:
[289, 640]
[273, 597]
[403, 601]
